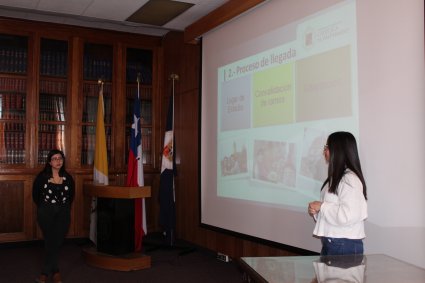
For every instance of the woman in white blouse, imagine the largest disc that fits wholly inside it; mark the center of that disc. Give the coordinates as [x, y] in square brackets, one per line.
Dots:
[342, 209]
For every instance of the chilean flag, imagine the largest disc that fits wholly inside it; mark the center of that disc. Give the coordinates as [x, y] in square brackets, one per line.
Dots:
[135, 173]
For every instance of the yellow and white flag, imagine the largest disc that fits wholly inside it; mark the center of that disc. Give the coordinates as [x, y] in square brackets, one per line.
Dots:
[100, 172]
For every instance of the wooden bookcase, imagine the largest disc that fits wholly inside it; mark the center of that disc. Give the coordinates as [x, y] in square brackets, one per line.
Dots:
[97, 65]
[13, 98]
[52, 97]
[48, 99]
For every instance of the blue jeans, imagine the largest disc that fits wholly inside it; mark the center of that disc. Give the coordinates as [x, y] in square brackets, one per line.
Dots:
[341, 246]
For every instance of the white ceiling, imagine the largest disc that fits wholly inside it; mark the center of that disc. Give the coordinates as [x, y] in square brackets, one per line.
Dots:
[104, 14]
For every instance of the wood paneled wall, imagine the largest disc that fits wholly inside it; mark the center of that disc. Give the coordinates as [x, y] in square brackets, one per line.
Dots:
[184, 60]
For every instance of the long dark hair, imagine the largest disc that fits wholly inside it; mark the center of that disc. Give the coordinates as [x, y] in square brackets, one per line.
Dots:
[48, 168]
[343, 154]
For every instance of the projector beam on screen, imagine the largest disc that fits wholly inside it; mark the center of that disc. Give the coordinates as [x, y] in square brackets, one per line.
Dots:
[273, 91]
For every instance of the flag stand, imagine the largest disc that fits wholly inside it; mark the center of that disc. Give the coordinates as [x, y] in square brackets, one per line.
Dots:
[166, 239]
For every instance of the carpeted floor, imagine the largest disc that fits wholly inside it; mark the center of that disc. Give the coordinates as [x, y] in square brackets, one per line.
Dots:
[22, 263]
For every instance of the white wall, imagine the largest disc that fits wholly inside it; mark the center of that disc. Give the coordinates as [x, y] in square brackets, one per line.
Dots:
[392, 125]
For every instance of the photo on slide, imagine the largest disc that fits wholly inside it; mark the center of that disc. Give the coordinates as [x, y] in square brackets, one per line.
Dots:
[274, 162]
[313, 164]
[233, 158]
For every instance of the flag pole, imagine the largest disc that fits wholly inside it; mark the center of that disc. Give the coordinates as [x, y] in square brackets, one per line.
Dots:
[167, 198]
[170, 233]
[139, 76]
[175, 78]
[100, 168]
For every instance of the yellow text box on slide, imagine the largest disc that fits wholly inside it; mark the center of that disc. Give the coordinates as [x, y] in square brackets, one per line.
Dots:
[273, 96]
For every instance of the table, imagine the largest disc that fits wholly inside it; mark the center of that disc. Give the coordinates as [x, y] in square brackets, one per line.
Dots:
[375, 268]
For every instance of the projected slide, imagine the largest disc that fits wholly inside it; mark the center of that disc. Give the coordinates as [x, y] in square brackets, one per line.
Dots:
[276, 108]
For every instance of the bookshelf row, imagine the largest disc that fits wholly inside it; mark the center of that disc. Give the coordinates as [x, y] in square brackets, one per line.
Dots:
[13, 85]
[89, 143]
[51, 128]
[146, 141]
[13, 60]
[52, 96]
[90, 109]
[12, 98]
[12, 107]
[146, 157]
[12, 127]
[13, 140]
[52, 108]
[145, 92]
[12, 101]
[14, 156]
[135, 69]
[97, 68]
[145, 112]
[93, 88]
[54, 63]
[12, 114]
[49, 140]
[53, 87]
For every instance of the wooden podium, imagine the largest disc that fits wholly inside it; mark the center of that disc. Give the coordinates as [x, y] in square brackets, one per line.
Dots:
[127, 262]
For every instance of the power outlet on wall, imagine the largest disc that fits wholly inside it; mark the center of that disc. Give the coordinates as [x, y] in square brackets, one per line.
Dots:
[223, 257]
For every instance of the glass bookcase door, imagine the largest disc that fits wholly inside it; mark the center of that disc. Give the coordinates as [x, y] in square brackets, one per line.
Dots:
[97, 66]
[53, 92]
[139, 65]
[13, 95]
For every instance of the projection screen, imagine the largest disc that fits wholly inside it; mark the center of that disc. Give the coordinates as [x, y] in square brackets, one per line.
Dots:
[276, 82]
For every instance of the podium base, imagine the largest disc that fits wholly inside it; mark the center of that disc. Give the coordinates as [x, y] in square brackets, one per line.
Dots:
[127, 262]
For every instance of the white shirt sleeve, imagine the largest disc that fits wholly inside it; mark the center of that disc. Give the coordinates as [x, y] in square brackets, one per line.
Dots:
[349, 206]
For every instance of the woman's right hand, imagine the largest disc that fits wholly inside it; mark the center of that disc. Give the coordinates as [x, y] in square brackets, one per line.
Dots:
[314, 207]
